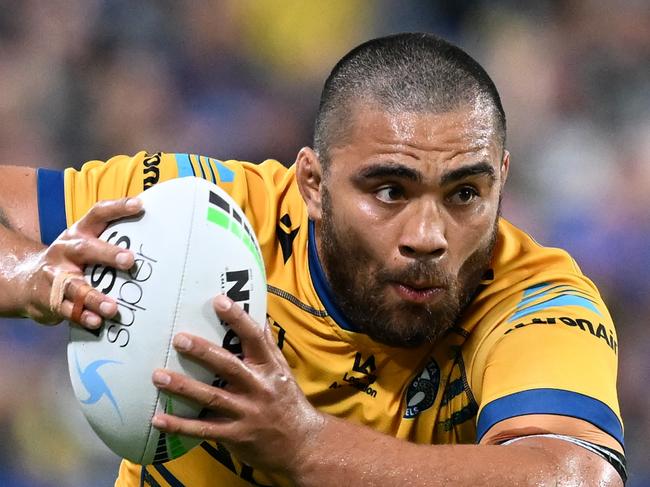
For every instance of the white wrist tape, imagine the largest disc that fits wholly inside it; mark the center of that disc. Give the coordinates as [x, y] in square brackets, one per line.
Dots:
[57, 294]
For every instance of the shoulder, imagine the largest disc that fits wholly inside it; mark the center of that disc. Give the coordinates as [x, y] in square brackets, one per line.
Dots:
[526, 277]
[538, 300]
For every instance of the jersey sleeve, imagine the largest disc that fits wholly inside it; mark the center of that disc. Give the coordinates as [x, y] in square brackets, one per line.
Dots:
[65, 196]
[551, 368]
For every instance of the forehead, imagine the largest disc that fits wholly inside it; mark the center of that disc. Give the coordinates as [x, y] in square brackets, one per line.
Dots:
[433, 140]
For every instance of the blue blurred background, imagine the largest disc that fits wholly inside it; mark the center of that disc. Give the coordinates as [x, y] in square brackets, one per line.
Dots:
[87, 79]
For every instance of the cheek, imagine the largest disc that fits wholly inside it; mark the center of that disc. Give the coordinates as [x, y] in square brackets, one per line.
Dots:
[467, 235]
[358, 222]
[480, 219]
[484, 212]
[349, 210]
[365, 212]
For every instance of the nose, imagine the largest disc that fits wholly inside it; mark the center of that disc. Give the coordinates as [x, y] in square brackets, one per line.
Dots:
[423, 235]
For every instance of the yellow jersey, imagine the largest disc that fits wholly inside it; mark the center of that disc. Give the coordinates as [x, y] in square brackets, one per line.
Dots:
[537, 338]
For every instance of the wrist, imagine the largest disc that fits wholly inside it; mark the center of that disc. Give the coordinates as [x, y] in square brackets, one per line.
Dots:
[307, 451]
[26, 285]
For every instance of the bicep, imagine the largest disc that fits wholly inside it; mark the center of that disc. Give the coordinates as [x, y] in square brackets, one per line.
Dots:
[18, 200]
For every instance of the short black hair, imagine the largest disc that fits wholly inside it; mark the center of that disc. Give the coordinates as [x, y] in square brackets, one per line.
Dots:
[412, 72]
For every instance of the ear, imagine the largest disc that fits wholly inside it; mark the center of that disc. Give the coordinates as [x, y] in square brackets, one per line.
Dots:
[309, 177]
[505, 166]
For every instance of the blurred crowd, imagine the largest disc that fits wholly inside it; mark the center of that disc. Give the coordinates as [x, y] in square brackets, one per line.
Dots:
[87, 79]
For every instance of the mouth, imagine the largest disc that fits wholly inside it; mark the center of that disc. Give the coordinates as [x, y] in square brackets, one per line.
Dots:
[417, 293]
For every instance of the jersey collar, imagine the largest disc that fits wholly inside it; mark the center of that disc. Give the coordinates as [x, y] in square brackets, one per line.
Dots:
[321, 285]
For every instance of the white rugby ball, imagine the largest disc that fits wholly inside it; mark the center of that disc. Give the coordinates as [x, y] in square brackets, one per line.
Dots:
[191, 243]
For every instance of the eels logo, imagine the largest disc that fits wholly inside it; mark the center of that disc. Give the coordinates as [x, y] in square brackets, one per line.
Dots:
[422, 392]
[95, 384]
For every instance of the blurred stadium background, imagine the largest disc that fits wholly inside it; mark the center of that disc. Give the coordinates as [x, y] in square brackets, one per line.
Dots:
[86, 79]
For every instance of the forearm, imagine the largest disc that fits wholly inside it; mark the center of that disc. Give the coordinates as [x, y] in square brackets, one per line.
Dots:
[19, 237]
[17, 256]
[263, 418]
[47, 284]
[346, 454]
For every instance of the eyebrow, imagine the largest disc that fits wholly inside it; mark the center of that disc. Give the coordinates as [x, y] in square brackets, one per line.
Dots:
[479, 169]
[388, 170]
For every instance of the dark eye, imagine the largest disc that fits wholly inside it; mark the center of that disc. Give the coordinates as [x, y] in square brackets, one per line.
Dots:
[463, 196]
[389, 194]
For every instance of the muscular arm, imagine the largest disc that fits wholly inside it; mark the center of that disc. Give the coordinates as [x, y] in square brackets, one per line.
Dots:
[19, 235]
[45, 283]
[347, 454]
[263, 418]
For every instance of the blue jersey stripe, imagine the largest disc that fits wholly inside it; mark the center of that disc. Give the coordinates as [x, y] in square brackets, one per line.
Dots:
[184, 165]
[226, 175]
[560, 289]
[168, 476]
[51, 204]
[565, 295]
[321, 285]
[535, 288]
[550, 401]
[571, 290]
[146, 479]
[530, 297]
[562, 300]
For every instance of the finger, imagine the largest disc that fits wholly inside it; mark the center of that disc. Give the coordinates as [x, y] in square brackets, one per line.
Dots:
[268, 336]
[250, 333]
[214, 430]
[81, 303]
[78, 306]
[87, 319]
[205, 395]
[93, 300]
[95, 221]
[100, 304]
[217, 359]
[84, 251]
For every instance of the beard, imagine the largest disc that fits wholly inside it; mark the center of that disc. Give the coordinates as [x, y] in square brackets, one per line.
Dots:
[360, 291]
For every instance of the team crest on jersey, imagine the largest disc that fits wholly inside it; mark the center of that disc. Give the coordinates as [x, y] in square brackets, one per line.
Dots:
[422, 392]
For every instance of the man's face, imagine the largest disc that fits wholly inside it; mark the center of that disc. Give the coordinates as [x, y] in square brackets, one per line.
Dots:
[408, 219]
